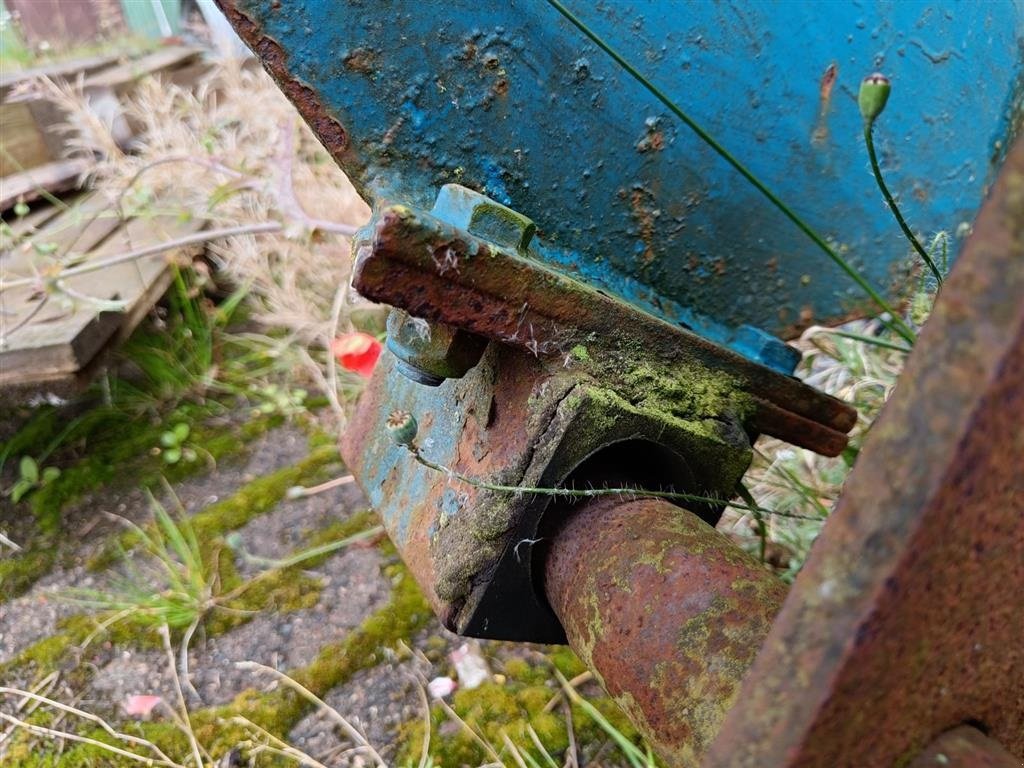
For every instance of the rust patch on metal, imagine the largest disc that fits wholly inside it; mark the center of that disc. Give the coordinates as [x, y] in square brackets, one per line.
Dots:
[362, 60]
[828, 81]
[434, 271]
[665, 609]
[327, 128]
[645, 214]
[906, 620]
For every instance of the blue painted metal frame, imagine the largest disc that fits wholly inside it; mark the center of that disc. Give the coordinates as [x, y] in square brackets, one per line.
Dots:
[507, 98]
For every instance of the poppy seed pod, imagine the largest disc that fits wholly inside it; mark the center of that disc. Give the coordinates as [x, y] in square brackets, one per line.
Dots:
[402, 427]
[874, 93]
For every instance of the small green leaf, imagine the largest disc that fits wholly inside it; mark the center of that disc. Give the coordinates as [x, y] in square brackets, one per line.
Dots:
[44, 249]
[181, 431]
[50, 474]
[20, 209]
[172, 455]
[20, 489]
[168, 439]
[28, 469]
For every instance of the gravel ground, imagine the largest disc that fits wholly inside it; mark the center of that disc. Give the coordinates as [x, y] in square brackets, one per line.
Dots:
[287, 528]
[376, 702]
[34, 615]
[353, 589]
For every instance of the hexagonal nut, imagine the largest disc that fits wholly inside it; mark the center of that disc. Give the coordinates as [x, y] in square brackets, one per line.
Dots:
[768, 350]
[429, 352]
[481, 216]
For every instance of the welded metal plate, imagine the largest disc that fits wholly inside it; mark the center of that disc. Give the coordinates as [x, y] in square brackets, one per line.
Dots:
[506, 97]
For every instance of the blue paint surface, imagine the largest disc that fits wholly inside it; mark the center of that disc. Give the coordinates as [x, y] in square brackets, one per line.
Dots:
[509, 99]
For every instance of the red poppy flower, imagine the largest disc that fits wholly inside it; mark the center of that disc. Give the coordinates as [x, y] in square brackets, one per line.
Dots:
[357, 352]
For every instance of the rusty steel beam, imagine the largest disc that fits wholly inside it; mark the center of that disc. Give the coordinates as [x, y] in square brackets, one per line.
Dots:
[965, 747]
[414, 260]
[667, 611]
[908, 618]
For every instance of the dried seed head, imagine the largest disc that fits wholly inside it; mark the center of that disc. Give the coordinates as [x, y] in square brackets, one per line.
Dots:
[402, 427]
[874, 93]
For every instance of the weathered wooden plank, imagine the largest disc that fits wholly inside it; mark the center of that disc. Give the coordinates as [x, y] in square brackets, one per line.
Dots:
[66, 21]
[74, 231]
[62, 339]
[125, 75]
[51, 177]
[61, 70]
[18, 226]
[22, 145]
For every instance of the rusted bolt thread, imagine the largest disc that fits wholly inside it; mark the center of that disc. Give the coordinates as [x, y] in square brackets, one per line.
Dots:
[665, 610]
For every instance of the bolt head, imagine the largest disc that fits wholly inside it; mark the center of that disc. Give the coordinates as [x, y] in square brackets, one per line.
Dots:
[428, 353]
[486, 218]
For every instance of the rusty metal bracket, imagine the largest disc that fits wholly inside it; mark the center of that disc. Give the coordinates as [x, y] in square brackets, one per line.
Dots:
[571, 379]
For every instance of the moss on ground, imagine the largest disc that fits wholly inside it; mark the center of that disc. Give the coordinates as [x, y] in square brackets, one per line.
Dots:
[19, 572]
[286, 589]
[279, 710]
[527, 698]
[118, 451]
[249, 502]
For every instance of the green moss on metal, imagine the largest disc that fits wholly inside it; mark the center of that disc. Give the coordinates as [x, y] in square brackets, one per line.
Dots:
[580, 353]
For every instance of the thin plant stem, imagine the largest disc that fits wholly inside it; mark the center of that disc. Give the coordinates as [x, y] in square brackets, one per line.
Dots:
[125, 737]
[301, 492]
[577, 493]
[279, 747]
[869, 140]
[350, 731]
[43, 193]
[49, 732]
[425, 742]
[759, 521]
[165, 636]
[873, 340]
[200, 237]
[151, 250]
[323, 549]
[899, 324]
[5, 337]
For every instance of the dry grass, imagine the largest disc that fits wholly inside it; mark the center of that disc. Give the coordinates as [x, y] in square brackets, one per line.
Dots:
[232, 152]
[787, 479]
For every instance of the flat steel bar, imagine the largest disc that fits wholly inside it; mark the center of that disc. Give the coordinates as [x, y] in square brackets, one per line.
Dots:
[412, 260]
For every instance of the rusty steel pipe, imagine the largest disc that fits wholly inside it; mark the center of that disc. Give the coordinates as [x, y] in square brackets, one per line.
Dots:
[665, 610]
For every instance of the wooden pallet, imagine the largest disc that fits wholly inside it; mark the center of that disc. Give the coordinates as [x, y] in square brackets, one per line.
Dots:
[32, 148]
[59, 345]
